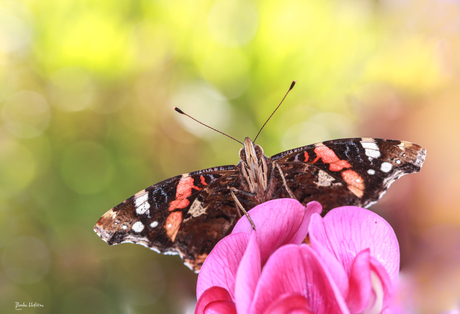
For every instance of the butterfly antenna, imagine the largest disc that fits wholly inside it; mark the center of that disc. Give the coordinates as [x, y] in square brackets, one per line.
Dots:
[181, 112]
[291, 87]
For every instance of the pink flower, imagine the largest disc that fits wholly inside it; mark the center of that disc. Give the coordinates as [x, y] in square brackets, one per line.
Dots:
[366, 247]
[349, 267]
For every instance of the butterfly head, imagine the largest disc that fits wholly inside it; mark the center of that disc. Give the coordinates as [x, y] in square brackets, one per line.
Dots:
[251, 153]
[253, 165]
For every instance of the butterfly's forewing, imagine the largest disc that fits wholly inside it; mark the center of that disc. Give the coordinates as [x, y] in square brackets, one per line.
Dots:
[342, 172]
[186, 215]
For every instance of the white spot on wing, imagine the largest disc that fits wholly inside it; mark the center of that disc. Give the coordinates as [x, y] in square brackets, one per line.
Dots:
[190, 267]
[369, 145]
[141, 203]
[138, 226]
[170, 253]
[143, 209]
[155, 249]
[386, 166]
[154, 224]
[324, 179]
[144, 241]
[196, 209]
[371, 148]
[371, 171]
[372, 153]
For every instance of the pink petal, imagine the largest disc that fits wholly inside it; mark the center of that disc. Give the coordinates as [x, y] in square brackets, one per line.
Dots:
[335, 269]
[384, 281]
[348, 230]
[294, 269]
[278, 222]
[220, 307]
[360, 283]
[370, 285]
[290, 304]
[247, 276]
[210, 300]
[220, 267]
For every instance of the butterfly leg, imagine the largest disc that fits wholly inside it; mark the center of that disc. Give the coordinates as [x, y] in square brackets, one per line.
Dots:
[284, 181]
[240, 207]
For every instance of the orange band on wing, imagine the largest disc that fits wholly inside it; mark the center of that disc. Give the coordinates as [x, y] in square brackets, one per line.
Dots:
[355, 182]
[172, 224]
[328, 156]
[183, 190]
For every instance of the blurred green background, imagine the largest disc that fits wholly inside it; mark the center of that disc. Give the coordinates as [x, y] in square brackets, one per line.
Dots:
[86, 120]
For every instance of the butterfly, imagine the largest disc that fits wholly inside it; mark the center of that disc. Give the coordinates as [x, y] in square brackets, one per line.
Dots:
[189, 213]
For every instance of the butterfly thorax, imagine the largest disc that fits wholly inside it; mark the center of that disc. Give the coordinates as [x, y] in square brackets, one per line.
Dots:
[253, 167]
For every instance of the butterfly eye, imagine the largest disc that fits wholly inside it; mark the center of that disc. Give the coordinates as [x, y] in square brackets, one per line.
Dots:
[259, 151]
[242, 154]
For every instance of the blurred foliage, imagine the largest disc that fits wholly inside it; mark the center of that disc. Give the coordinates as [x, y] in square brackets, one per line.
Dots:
[86, 91]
